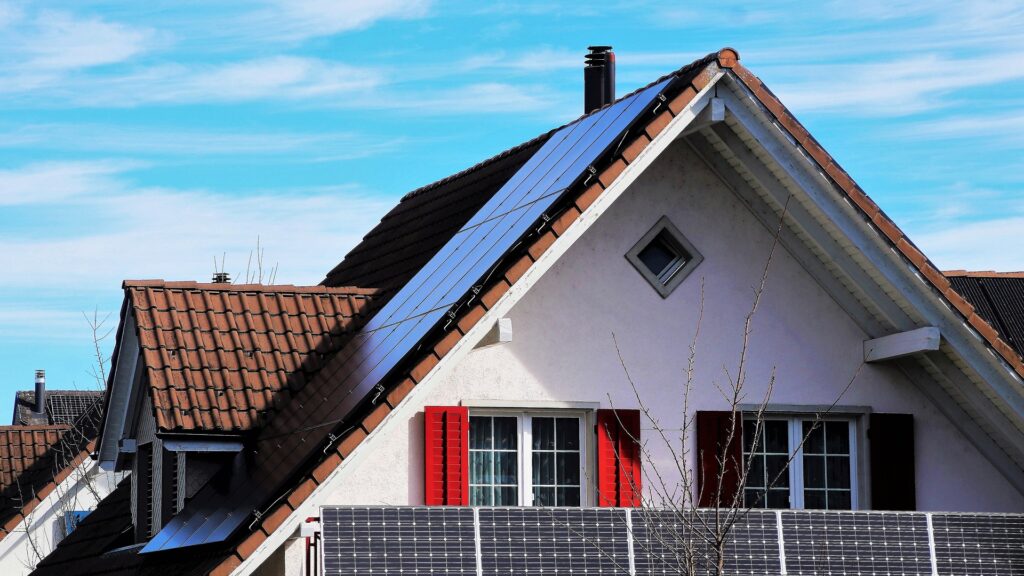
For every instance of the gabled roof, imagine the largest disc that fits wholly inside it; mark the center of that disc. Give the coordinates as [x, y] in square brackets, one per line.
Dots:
[219, 357]
[62, 406]
[999, 299]
[293, 457]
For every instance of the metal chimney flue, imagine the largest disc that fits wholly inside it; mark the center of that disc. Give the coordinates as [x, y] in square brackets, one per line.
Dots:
[40, 407]
[598, 78]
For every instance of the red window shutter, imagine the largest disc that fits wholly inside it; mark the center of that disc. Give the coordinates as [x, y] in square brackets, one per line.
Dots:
[712, 433]
[446, 456]
[618, 458]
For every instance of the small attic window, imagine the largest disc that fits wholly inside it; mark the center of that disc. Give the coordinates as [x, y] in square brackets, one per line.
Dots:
[664, 257]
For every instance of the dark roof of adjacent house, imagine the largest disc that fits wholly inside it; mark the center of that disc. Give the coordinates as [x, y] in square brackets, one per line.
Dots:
[35, 459]
[219, 357]
[998, 297]
[62, 406]
[297, 457]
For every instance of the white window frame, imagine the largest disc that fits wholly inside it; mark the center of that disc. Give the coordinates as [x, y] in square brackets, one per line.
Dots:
[796, 466]
[524, 458]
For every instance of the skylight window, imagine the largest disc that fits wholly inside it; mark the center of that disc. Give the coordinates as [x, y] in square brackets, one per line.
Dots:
[664, 257]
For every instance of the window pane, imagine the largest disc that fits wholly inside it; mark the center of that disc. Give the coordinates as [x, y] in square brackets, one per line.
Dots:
[838, 500]
[837, 437]
[777, 473]
[568, 496]
[755, 476]
[778, 499]
[480, 496]
[838, 472]
[506, 496]
[568, 465]
[506, 467]
[568, 433]
[543, 496]
[543, 433]
[480, 471]
[814, 472]
[776, 436]
[480, 432]
[814, 499]
[506, 433]
[753, 498]
[749, 431]
[544, 468]
[658, 256]
[815, 437]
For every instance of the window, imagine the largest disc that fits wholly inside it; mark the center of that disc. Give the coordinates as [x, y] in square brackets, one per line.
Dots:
[526, 459]
[664, 257]
[821, 475]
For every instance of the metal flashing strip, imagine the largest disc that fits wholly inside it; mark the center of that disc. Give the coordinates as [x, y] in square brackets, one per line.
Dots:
[629, 542]
[782, 543]
[931, 544]
[476, 541]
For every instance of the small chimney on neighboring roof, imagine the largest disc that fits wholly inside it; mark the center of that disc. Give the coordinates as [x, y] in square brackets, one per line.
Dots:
[221, 278]
[40, 407]
[598, 78]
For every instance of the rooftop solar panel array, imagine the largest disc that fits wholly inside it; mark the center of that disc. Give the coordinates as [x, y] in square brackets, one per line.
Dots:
[425, 300]
[512, 541]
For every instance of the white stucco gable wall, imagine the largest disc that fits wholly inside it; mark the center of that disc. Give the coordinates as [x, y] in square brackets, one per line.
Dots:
[563, 349]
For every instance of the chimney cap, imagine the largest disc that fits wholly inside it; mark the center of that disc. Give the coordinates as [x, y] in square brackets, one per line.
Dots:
[221, 278]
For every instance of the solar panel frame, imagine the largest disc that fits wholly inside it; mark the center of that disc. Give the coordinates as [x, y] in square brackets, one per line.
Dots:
[420, 305]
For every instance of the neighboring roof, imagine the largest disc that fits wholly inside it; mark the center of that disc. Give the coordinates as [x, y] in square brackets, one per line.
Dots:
[414, 230]
[35, 459]
[62, 406]
[297, 456]
[998, 297]
[219, 357]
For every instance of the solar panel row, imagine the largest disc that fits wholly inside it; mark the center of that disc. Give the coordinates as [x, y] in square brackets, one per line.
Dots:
[506, 541]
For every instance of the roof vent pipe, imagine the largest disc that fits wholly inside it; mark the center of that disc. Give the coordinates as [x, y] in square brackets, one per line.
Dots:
[598, 78]
[40, 407]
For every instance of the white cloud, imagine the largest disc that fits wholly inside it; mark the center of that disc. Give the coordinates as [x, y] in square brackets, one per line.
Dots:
[60, 41]
[1004, 129]
[300, 19]
[175, 234]
[49, 182]
[974, 246]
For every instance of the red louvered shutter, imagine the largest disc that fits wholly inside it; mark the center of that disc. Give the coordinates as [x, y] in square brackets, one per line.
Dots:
[712, 434]
[618, 458]
[446, 456]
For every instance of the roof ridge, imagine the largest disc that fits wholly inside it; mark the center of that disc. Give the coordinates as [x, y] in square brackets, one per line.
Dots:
[267, 288]
[479, 165]
[982, 274]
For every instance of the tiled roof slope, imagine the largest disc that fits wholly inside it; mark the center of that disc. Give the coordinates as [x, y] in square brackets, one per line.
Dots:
[35, 459]
[62, 406]
[219, 357]
[414, 230]
[998, 297]
[101, 544]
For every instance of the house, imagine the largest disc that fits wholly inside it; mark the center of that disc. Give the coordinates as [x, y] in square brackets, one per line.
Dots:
[47, 480]
[478, 348]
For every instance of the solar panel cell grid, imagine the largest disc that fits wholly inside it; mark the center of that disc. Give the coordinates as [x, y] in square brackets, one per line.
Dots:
[866, 544]
[967, 544]
[553, 541]
[437, 540]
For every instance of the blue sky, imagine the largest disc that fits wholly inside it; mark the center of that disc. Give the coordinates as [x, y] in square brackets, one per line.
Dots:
[144, 139]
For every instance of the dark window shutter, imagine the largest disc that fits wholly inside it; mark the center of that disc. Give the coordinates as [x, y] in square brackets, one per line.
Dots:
[713, 430]
[446, 456]
[891, 438]
[169, 489]
[144, 492]
[618, 458]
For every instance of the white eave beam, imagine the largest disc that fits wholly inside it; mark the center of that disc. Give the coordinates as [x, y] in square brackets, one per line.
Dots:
[712, 113]
[902, 344]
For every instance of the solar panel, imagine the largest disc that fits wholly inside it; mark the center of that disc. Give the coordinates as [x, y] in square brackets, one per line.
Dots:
[424, 301]
[967, 544]
[855, 543]
[437, 540]
[663, 543]
[553, 541]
